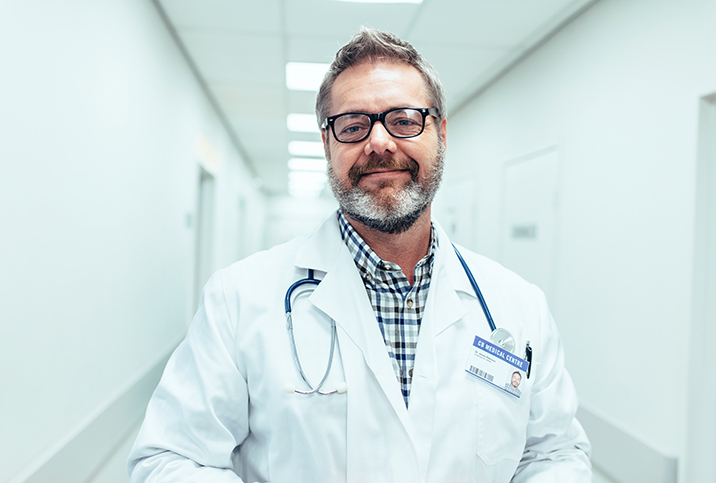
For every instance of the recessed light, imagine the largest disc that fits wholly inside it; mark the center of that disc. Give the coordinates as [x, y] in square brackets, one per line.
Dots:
[306, 148]
[307, 177]
[305, 76]
[304, 193]
[301, 123]
[307, 164]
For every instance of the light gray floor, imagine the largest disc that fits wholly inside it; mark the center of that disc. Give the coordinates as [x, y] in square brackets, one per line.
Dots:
[115, 469]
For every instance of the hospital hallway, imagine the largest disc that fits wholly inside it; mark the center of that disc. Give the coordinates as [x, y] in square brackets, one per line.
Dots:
[146, 144]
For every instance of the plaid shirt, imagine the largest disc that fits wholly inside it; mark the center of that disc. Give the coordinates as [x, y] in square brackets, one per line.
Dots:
[398, 307]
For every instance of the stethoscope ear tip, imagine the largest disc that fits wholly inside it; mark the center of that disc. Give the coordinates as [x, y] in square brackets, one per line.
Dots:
[289, 388]
[342, 388]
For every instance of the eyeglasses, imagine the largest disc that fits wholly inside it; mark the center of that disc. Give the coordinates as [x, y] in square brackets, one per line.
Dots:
[401, 122]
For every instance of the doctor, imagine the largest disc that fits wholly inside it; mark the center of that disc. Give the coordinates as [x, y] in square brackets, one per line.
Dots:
[406, 317]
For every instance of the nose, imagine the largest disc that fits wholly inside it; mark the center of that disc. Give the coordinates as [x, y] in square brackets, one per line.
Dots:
[379, 140]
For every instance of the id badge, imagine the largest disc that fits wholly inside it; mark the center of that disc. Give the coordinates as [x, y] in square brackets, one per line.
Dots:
[496, 366]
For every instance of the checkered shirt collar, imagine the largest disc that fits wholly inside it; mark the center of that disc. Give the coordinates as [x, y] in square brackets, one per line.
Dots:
[367, 261]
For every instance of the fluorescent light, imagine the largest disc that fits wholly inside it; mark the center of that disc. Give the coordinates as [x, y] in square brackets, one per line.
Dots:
[301, 123]
[306, 148]
[381, 1]
[306, 184]
[305, 76]
[304, 193]
[307, 164]
[307, 177]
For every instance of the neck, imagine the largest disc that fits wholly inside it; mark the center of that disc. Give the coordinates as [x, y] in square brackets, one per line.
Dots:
[405, 249]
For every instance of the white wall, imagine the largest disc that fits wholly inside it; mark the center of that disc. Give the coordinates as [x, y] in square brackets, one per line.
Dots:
[289, 217]
[617, 94]
[99, 119]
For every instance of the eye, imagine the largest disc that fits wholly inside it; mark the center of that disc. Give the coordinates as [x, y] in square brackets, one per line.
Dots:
[352, 129]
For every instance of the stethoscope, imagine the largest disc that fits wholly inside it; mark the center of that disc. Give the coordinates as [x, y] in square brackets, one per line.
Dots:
[498, 336]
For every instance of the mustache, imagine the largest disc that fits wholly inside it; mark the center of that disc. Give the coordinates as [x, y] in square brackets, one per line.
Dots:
[376, 161]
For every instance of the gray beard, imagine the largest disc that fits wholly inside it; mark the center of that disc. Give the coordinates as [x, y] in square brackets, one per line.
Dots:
[389, 214]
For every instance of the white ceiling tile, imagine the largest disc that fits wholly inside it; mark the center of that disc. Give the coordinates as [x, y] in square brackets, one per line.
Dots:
[222, 57]
[340, 20]
[235, 15]
[315, 48]
[459, 67]
[483, 22]
[243, 100]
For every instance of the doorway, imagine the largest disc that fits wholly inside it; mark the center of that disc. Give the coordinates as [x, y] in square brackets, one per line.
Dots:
[204, 246]
[701, 436]
[529, 214]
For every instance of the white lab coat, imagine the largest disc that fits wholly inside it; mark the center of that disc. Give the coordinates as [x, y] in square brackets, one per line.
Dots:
[220, 412]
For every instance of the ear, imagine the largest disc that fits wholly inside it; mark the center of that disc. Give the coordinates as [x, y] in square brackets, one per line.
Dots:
[443, 131]
[325, 139]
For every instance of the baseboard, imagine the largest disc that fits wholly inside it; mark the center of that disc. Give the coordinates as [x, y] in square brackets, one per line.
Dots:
[80, 453]
[623, 457]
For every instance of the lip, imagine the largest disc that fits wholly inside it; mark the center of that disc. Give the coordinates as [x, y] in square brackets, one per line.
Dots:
[383, 172]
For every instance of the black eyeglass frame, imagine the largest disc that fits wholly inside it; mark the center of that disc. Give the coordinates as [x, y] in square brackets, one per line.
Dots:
[425, 111]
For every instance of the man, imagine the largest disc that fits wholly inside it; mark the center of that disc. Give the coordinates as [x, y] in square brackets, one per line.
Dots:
[399, 405]
[515, 380]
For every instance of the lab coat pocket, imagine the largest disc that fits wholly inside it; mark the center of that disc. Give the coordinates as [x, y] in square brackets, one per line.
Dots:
[502, 427]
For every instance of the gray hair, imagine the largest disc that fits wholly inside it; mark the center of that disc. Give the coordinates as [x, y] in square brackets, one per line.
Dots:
[372, 45]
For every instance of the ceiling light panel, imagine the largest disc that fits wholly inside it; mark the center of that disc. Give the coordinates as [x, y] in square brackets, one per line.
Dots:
[301, 122]
[306, 148]
[307, 164]
[305, 76]
[309, 177]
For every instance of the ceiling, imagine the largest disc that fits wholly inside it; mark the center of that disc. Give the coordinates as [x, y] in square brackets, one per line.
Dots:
[240, 48]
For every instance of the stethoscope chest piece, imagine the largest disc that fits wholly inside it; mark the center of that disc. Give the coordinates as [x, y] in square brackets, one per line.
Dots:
[503, 338]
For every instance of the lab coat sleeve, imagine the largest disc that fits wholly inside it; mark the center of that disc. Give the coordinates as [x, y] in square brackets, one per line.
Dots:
[199, 411]
[557, 449]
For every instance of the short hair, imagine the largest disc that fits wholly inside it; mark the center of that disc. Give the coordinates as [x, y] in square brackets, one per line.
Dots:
[372, 45]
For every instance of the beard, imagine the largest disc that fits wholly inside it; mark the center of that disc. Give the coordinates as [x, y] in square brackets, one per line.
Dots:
[388, 211]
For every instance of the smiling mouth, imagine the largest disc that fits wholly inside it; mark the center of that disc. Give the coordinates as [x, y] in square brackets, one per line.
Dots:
[378, 165]
[385, 171]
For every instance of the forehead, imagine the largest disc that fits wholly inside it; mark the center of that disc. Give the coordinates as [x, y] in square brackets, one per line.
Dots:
[378, 86]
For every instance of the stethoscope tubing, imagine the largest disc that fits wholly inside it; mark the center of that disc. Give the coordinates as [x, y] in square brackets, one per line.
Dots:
[476, 288]
[314, 281]
[289, 326]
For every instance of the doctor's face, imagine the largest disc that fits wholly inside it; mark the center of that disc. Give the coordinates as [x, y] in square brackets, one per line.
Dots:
[516, 379]
[384, 182]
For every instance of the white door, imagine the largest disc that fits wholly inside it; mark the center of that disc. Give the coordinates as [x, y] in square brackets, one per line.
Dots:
[529, 216]
[204, 260]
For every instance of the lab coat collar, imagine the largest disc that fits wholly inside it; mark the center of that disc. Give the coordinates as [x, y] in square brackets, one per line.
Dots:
[325, 251]
[341, 295]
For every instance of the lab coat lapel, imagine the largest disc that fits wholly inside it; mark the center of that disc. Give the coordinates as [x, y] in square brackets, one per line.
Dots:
[341, 295]
[443, 308]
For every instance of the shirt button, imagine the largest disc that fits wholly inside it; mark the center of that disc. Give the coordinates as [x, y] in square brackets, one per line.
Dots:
[409, 303]
[410, 373]
[368, 277]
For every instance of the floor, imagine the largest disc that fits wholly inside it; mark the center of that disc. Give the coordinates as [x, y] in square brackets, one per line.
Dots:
[115, 469]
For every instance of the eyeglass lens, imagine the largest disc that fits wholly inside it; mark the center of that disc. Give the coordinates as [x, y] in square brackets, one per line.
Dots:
[399, 123]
